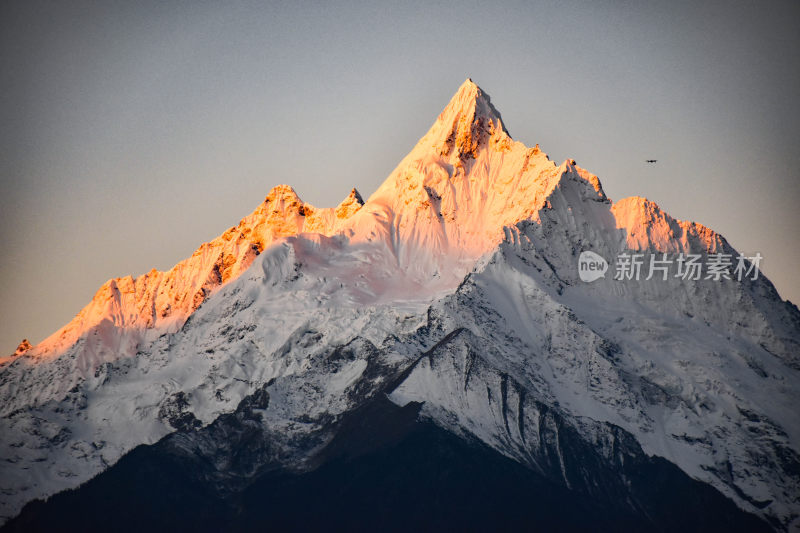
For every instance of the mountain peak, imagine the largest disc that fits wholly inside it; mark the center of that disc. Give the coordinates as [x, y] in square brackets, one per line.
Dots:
[355, 195]
[282, 192]
[466, 122]
[349, 205]
[471, 100]
[469, 247]
[468, 86]
[649, 227]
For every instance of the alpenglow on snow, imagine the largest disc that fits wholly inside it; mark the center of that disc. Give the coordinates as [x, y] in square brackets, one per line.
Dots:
[454, 287]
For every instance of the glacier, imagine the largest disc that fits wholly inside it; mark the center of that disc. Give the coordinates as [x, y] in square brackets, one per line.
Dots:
[454, 287]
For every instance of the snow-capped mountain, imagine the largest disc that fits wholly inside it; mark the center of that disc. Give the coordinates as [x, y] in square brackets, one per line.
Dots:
[454, 288]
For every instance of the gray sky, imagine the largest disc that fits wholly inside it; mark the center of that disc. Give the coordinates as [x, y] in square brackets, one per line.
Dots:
[134, 131]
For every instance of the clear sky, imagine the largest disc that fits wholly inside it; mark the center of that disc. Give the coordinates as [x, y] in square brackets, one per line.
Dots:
[132, 131]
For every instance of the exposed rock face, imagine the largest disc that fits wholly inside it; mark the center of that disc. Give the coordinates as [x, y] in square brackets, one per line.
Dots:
[454, 290]
[23, 347]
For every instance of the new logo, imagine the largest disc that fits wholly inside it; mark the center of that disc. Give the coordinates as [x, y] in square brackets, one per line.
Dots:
[591, 266]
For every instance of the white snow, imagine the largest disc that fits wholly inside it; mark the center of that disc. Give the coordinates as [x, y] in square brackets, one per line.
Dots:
[475, 226]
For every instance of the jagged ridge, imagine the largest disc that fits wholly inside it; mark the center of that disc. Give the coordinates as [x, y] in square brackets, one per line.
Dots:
[467, 205]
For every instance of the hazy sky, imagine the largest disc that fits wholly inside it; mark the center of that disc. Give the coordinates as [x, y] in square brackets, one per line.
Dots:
[132, 132]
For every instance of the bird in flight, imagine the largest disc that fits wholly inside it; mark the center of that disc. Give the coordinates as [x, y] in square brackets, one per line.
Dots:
[650, 160]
